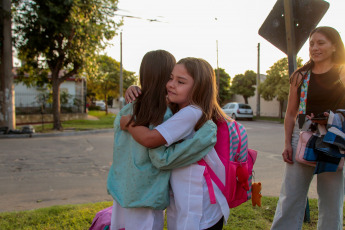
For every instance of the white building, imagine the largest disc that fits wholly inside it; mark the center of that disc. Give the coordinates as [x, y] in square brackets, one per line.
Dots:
[32, 98]
[267, 108]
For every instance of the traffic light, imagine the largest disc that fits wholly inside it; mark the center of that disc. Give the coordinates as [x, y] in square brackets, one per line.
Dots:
[307, 14]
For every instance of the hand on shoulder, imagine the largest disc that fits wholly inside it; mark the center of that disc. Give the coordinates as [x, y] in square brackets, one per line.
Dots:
[132, 93]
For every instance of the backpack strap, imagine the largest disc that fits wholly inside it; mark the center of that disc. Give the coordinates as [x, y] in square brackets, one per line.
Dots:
[304, 91]
[208, 173]
[302, 109]
[239, 140]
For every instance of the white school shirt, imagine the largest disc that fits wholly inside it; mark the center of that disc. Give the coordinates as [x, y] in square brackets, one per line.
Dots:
[190, 207]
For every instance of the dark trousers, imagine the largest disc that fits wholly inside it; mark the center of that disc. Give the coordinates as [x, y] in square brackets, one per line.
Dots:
[218, 225]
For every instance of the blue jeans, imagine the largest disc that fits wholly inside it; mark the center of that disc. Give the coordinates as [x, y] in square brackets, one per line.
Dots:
[293, 196]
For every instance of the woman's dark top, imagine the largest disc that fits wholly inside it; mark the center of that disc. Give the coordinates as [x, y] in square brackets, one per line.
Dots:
[325, 92]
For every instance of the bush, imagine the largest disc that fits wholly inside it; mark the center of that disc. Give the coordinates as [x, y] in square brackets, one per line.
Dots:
[94, 107]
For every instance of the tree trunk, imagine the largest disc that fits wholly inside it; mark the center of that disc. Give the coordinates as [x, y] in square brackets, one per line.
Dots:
[245, 100]
[281, 104]
[56, 103]
[7, 108]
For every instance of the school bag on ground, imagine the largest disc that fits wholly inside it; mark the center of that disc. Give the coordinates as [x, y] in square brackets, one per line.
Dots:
[238, 160]
[102, 220]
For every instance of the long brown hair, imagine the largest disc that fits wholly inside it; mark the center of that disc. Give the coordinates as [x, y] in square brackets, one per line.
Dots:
[204, 92]
[155, 70]
[338, 57]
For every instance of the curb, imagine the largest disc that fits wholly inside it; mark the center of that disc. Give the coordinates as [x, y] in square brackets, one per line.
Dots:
[268, 121]
[57, 134]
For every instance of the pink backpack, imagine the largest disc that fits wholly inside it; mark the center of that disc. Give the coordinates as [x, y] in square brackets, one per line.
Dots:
[102, 220]
[238, 160]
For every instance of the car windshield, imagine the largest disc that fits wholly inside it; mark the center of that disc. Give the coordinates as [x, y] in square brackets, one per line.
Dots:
[243, 106]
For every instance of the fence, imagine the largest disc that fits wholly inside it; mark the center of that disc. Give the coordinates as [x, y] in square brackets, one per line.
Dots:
[41, 103]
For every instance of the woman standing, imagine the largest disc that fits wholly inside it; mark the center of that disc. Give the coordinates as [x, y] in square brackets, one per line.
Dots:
[326, 91]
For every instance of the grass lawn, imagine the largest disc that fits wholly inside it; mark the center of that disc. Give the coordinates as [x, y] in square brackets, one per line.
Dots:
[244, 217]
[104, 121]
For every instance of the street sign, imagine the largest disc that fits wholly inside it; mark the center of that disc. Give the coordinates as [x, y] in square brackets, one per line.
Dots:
[307, 14]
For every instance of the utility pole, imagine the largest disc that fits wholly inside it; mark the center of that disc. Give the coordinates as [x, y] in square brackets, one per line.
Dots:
[121, 74]
[7, 111]
[217, 68]
[257, 85]
[216, 19]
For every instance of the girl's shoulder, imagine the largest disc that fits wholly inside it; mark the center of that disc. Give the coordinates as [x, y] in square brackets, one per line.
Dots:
[189, 112]
[191, 108]
[297, 78]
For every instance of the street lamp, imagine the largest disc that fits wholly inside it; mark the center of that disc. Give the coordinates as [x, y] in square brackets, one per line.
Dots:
[217, 62]
[121, 99]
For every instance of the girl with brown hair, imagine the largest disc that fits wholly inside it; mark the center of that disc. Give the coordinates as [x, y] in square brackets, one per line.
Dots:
[140, 190]
[192, 89]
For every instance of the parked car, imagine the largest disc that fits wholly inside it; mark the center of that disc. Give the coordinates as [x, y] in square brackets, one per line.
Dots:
[100, 104]
[238, 110]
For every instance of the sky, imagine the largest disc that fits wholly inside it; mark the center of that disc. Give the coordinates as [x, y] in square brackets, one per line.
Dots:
[191, 28]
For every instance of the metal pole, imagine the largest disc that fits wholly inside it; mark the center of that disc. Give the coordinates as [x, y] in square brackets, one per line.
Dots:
[290, 34]
[217, 69]
[121, 80]
[257, 85]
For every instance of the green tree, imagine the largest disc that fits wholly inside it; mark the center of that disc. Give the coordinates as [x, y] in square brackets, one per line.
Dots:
[224, 86]
[276, 84]
[104, 82]
[60, 37]
[243, 84]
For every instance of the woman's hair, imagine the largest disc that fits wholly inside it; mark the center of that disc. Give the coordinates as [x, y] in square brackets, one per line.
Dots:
[332, 35]
[204, 91]
[155, 70]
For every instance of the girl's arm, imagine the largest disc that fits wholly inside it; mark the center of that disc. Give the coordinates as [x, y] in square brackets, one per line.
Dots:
[290, 117]
[141, 134]
[187, 152]
[173, 130]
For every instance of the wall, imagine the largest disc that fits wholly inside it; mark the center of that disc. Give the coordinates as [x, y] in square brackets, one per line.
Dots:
[267, 108]
[27, 96]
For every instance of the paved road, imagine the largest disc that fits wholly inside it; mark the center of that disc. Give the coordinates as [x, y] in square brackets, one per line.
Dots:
[40, 172]
[45, 171]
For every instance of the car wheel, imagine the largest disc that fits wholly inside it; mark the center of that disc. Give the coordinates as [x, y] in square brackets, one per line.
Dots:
[233, 116]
